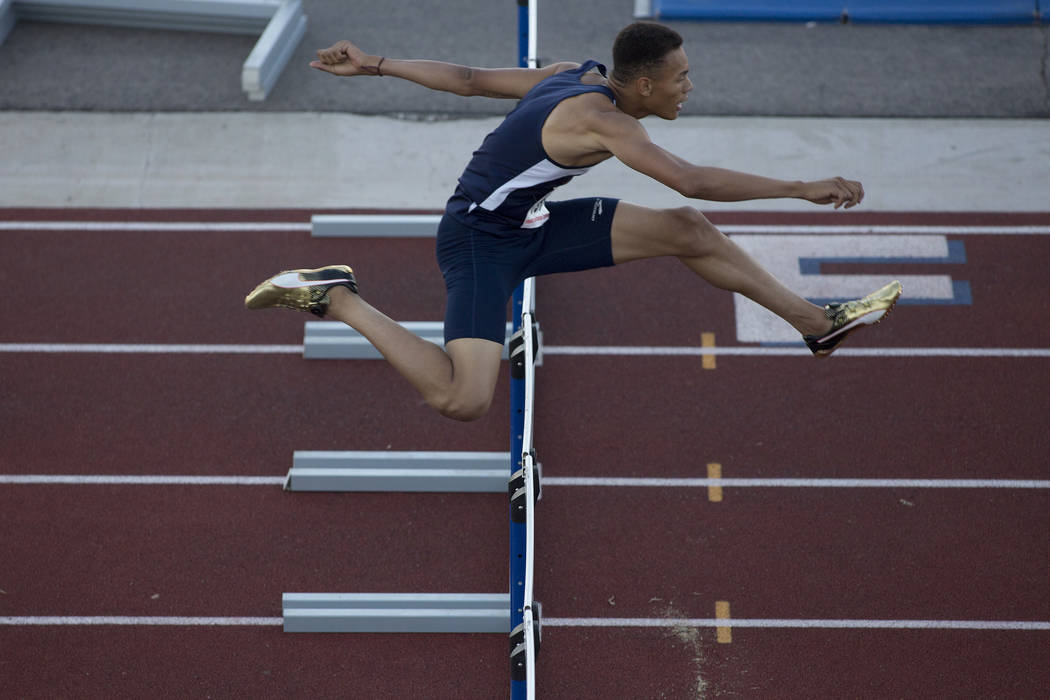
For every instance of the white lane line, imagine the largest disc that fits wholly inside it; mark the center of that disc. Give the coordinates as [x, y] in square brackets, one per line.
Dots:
[586, 481]
[133, 480]
[807, 624]
[888, 230]
[798, 483]
[671, 351]
[157, 621]
[804, 229]
[153, 226]
[548, 350]
[606, 622]
[151, 348]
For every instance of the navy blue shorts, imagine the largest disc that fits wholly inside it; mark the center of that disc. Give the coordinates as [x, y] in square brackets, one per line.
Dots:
[482, 269]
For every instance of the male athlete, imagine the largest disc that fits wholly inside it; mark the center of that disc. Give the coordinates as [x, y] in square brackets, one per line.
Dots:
[499, 228]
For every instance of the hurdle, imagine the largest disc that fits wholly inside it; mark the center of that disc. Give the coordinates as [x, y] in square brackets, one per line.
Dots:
[515, 612]
[467, 472]
[280, 25]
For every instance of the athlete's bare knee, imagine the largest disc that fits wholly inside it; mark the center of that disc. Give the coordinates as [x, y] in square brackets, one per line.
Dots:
[475, 371]
[463, 403]
[463, 409]
[693, 234]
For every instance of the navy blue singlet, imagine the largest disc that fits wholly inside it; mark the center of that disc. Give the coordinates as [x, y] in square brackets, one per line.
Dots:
[508, 180]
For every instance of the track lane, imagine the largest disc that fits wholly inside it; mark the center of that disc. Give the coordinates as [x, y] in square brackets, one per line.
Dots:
[663, 417]
[248, 662]
[226, 414]
[793, 417]
[794, 554]
[232, 551]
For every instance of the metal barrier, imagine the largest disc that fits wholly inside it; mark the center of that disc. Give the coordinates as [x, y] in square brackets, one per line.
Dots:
[280, 25]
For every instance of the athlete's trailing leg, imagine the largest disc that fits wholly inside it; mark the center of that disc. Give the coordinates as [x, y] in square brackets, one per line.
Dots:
[458, 381]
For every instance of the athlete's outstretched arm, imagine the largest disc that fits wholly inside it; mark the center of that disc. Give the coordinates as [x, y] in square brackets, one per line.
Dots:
[345, 59]
[625, 138]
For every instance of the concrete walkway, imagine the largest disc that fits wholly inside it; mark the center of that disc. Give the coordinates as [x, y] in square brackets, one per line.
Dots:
[325, 161]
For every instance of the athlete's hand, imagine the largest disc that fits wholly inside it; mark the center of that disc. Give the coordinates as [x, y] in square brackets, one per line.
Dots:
[836, 190]
[343, 58]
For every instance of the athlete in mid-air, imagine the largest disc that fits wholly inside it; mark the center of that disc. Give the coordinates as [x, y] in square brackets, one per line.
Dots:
[499, 228]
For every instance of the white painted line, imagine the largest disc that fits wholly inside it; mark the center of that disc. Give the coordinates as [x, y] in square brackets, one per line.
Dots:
[138, 479]
[797, 483]
[586, 350]
[806, 624]
[591, 481]
[675, 350]
[235, 226]
[153, 226]
[890, 230]
[606, 622]
[152, 621]
[151, 348]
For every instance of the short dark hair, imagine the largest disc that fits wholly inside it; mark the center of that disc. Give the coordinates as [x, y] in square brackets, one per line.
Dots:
[641, 47]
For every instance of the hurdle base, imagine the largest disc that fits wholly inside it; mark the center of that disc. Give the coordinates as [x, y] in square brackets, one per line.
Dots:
[374, 225]
[441, 613]
[332, 340]
[432, 472]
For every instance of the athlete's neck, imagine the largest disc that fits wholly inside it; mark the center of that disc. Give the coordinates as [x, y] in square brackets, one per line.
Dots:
[624, 103]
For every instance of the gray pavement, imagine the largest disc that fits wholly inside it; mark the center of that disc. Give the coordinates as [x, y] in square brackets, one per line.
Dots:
[323, 161]
[749, 69]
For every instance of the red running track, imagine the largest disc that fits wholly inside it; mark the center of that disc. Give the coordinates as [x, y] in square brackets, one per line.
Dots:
[606, 552]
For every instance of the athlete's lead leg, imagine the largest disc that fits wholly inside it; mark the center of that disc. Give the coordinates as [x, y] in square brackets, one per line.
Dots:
[639, 232]
[685, 233]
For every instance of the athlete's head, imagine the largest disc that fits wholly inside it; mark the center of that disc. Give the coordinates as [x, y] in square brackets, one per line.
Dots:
[640, 49]
[648, 60]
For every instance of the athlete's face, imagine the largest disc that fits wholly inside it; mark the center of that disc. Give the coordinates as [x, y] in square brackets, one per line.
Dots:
[670, 86]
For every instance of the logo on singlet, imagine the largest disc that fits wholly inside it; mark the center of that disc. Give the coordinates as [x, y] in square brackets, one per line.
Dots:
[538, 214]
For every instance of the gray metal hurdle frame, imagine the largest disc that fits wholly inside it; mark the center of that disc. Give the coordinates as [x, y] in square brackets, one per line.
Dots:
[280, 25]
[332, 340]
[422, 472]
[387, 471]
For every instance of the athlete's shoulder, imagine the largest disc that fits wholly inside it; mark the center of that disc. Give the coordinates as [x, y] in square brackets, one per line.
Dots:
[562, 66]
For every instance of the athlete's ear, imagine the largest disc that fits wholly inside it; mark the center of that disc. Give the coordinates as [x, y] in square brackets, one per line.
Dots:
[644, 86]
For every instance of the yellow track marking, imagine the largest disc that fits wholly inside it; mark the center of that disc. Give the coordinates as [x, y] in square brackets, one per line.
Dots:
[724, 634]
[707, 340]
[714, 493]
